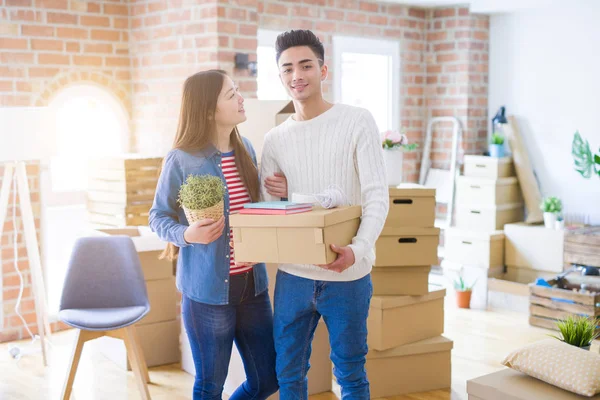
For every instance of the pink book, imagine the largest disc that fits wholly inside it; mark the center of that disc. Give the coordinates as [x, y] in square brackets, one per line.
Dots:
[266, 211]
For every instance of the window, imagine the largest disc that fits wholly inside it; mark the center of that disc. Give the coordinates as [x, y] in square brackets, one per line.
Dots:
[269, 85]
[367, 74]
[90, 123]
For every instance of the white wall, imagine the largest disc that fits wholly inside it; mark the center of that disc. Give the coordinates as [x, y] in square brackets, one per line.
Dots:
[545, 67]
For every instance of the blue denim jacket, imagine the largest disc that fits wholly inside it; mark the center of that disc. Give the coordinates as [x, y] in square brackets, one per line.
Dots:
[202, 269]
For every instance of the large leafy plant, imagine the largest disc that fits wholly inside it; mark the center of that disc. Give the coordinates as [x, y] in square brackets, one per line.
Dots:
[577, 330]
[200, 192]
[586, 163]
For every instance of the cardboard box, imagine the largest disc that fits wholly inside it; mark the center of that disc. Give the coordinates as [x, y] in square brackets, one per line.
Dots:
[148, 246]
[397, 320]
[488, 191]
[159, 342]
[162, 295]
[526, 275]
[487, 217]
[488, 167]
[508, 384]
[296, 238]
[533, 247]
[508, 295]
[262, 116]
[400, 281]
[400, 247]
[411, 206]
[474, 248]
[418, 367]
[320, 374]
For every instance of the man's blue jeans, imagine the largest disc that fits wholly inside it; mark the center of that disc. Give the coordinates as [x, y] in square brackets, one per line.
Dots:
[212, 329]
[299, 304]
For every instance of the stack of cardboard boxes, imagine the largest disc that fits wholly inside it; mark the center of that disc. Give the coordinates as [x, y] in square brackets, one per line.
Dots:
[158, 331]
[488, 196]
[407, 353]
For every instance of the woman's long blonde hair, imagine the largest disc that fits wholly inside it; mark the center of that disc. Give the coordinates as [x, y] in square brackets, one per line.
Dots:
[197, 130]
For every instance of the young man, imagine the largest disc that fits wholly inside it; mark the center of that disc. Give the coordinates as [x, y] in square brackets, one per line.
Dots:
[324, 144]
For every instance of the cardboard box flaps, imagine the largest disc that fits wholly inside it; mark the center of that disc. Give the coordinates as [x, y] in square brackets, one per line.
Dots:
[397, 320]
[411, 205]
[416, 367]
[398, 247]
[508, 384]
[296, 238]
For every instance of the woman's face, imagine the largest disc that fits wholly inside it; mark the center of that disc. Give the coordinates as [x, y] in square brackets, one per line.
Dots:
[230, 105]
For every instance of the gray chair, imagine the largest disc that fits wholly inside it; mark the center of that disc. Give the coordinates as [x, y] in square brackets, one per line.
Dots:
[104, 294]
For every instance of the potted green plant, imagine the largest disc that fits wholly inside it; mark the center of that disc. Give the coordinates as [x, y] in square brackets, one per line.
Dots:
[577, 331]
[496, 147]
[201, 197]
[552, 207]
[394, 145]
[463, 292]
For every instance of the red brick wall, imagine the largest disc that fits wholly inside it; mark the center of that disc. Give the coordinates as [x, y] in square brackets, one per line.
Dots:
[457, 79]
[42, 42]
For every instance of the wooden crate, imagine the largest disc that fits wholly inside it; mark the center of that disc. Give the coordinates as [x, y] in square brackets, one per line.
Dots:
[547, 305]
[582, 246]
[121, 190]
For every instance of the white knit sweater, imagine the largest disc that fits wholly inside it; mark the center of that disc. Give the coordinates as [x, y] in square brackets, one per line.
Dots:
[340, 147]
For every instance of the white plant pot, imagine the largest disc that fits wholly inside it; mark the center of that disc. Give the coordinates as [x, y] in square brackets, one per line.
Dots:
[559, 225]
[393, 166]
[549, 220]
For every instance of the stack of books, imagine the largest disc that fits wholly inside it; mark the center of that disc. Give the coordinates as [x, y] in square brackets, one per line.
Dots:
[275, 208]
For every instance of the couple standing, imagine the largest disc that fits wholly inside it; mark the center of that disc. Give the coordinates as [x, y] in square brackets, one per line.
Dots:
[224, 301]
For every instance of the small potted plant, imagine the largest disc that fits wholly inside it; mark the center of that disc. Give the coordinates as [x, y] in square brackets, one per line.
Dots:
[201, 197]
[496, 146]
[394, 145]
[463, 293]
[577, 331]
[551, 206]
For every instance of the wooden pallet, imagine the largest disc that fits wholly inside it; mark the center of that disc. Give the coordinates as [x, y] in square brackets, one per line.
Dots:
[121, 190]
[548, 305]
[582, 246]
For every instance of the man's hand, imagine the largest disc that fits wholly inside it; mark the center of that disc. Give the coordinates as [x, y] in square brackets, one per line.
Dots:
[345, 259]
[276, 185]
[204, 231]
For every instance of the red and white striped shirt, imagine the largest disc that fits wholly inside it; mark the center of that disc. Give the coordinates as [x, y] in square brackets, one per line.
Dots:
[238, 196]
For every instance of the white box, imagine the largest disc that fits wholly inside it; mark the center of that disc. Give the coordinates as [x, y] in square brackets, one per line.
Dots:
[474, 248]
[487, 217]
[470, 190]
[534, 247]
[488, 167]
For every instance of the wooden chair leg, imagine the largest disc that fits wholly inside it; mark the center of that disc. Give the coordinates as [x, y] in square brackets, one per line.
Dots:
[140, 353]
[82, 337]
[135, 361]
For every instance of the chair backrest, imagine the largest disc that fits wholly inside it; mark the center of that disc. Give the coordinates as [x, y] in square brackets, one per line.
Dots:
[104, 272]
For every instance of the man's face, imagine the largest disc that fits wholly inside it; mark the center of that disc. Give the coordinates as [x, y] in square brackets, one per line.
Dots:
[300, 72]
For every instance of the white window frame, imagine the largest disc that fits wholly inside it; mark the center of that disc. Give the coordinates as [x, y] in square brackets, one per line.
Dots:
[349, 44]
[267, 38]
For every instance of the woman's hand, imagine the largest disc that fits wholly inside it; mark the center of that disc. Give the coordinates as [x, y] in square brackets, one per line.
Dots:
[276, 185]
[204, 231]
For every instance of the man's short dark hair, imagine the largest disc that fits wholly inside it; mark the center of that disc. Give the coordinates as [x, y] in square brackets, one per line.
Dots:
[295, 38]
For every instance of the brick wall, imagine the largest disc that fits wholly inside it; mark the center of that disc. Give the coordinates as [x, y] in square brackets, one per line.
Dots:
[457, 79]
[42, 42]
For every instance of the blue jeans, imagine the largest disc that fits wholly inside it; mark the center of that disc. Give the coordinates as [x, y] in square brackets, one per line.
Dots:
[212, 329]
[299, 304]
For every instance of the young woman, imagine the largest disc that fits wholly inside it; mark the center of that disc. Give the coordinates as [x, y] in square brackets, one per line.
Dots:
[223, 301]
